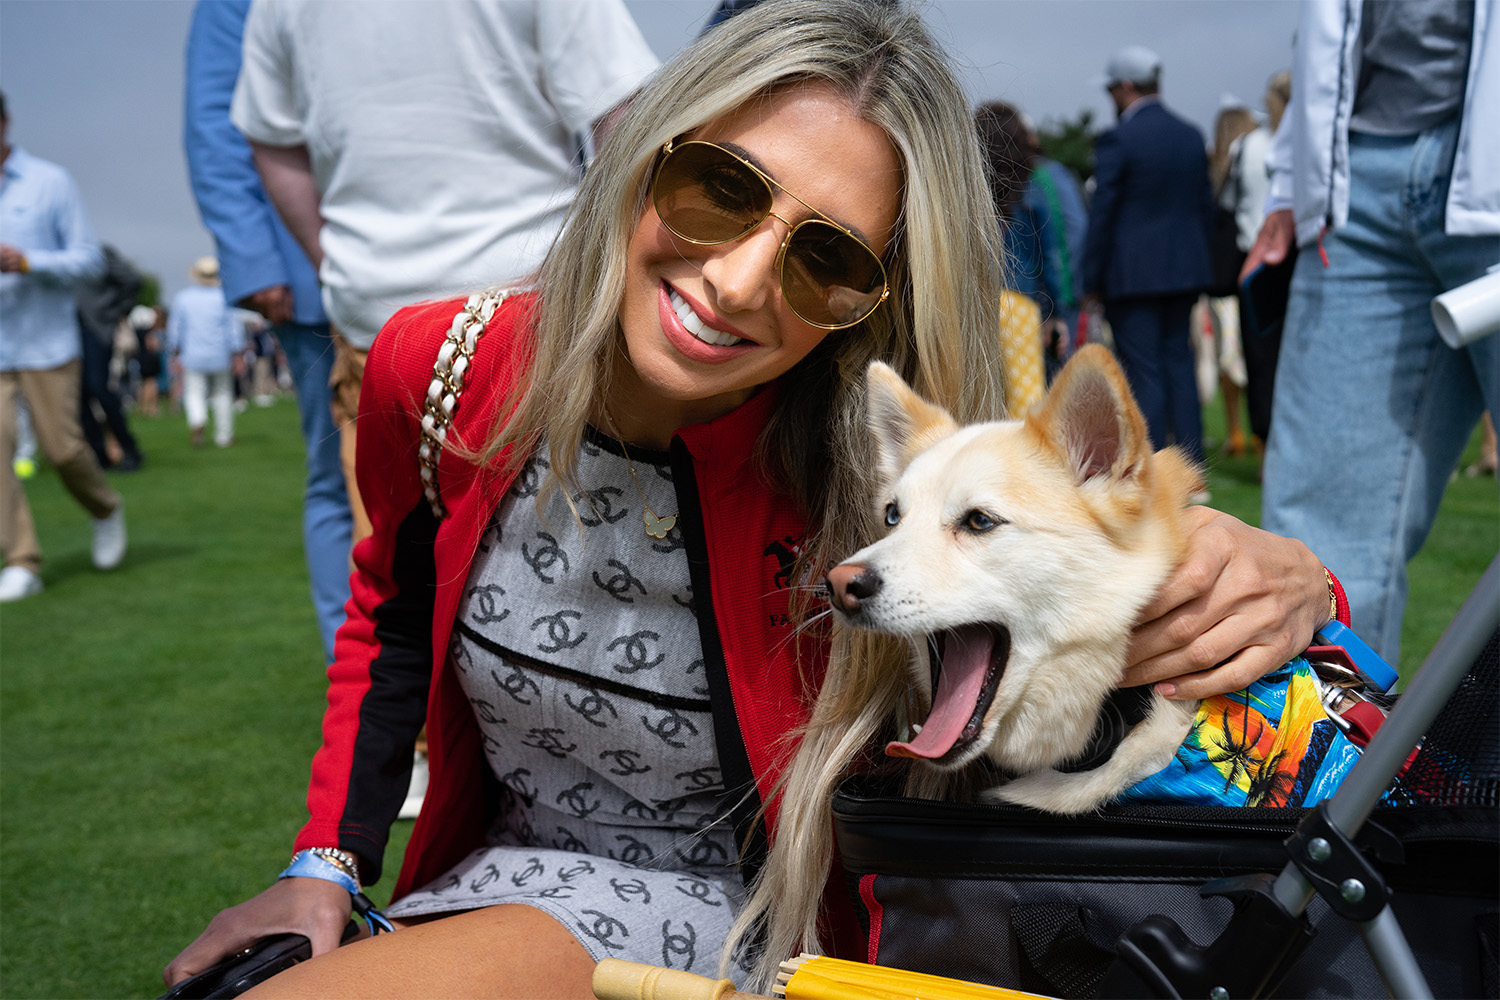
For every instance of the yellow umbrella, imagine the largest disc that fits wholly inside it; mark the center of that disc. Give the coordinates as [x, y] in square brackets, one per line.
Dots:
[813, 977]
[809, 977]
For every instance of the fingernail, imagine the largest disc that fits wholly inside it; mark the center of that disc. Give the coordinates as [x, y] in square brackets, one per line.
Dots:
[1166, 690]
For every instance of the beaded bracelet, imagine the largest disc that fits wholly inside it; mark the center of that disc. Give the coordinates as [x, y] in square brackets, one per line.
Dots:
[343, 859]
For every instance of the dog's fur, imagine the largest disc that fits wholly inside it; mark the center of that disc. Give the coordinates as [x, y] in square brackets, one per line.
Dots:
[1026, 550]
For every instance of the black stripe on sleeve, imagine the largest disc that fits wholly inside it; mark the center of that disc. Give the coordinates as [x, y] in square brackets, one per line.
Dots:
[395, 707]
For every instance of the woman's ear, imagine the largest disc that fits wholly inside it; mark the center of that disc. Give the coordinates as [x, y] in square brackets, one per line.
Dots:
[902, 423]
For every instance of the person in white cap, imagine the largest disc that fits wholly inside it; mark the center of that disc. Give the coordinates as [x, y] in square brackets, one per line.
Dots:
[1147, 253]
[206, 340]
[47, 246]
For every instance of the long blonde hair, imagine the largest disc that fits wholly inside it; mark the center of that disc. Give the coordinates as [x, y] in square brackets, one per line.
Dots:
[1278, 96]
[939, 329]
[1231, 123]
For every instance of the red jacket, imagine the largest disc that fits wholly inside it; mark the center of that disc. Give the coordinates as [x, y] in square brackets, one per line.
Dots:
[740, 536]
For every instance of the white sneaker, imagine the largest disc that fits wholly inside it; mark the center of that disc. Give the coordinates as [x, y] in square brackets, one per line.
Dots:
[109, 539]
[17, 582]
[417, 790]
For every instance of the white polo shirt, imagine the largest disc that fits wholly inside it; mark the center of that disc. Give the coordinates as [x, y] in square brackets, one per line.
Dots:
[443, 136]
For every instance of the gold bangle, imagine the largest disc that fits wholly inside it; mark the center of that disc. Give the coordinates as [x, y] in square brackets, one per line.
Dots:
[1333, 596]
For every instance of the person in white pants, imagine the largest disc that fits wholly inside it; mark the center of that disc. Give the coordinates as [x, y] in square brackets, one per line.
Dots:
[206, 341]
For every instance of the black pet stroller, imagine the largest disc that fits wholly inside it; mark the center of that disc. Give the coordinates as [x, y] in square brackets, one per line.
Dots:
[1142, 901]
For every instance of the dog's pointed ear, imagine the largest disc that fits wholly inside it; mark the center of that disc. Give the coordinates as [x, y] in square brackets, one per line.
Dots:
[1092, 421]
[902, 423]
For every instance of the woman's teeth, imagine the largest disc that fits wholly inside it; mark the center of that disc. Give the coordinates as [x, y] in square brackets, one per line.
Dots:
[696, 326]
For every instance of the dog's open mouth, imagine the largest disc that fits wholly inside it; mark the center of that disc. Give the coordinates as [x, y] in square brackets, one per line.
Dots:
[971, 660]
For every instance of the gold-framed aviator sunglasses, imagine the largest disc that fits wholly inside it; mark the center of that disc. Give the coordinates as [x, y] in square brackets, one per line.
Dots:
[708, 195]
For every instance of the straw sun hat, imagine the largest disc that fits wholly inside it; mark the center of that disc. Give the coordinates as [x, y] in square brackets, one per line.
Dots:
[205, 271]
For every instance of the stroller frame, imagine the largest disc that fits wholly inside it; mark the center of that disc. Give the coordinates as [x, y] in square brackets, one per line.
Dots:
[1155, 959]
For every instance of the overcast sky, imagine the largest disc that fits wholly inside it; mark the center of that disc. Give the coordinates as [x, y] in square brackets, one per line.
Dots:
[96, 85]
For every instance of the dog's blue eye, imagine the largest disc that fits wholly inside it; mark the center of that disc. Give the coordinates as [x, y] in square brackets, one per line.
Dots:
[977, 520]
[892, 515]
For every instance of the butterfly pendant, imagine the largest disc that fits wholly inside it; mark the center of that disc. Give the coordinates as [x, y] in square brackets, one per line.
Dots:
[657, 527]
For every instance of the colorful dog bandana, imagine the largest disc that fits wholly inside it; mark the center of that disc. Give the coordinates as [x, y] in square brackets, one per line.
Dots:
[1271, 744]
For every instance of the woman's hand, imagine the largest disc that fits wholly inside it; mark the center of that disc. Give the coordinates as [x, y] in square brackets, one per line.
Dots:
[1243, 602]
[313, 907]
[1272, 243]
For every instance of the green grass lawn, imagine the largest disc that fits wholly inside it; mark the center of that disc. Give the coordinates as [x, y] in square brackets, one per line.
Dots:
[156, 721]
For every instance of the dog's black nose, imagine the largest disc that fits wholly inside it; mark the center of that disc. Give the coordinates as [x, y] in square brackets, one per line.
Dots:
[850, 585]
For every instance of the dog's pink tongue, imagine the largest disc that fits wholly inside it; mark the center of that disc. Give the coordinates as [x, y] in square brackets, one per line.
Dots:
[966, 658]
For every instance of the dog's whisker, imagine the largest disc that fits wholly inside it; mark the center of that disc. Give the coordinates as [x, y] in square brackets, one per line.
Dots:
[802, 626]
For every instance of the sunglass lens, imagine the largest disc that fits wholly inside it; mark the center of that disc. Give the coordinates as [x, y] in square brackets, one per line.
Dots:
[705, 195]
[829, 277]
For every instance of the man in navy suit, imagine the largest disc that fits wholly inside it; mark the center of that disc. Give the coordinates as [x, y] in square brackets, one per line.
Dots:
[1147, 253]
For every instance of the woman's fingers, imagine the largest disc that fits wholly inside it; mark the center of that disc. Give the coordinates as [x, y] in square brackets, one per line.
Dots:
[1193, 579]
[1242, 602]
[312, 907]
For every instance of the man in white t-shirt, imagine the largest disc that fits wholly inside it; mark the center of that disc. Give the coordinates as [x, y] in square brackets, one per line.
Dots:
[421, 149]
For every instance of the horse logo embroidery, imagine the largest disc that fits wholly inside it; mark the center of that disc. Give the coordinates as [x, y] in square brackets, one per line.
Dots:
[786, 551]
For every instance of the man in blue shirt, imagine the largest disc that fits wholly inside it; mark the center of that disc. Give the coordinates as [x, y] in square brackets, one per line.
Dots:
[47, 246]
[262, 268]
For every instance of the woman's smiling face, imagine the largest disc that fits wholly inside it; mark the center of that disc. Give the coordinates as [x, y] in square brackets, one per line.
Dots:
[705, 325]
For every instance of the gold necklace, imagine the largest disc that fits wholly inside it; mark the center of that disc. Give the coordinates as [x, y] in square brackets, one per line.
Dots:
[656, 527]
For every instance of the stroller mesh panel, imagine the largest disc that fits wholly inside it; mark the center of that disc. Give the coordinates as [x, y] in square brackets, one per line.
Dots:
[1459, 764]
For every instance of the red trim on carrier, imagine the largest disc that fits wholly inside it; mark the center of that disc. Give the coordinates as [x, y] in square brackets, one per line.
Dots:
[876, 911]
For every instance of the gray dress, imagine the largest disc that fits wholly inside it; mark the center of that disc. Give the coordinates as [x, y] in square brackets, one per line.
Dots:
[578, 647]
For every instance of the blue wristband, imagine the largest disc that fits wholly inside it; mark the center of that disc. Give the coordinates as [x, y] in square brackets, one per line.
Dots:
[306, 864]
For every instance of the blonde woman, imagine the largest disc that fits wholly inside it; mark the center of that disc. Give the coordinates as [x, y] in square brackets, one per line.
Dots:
[1221, 357]
[795, 195]
[590, 579]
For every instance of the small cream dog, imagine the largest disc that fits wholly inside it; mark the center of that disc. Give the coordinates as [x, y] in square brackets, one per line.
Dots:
[1018, 557]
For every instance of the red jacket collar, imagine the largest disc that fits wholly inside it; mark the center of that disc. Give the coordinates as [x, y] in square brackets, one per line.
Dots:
[734, 430]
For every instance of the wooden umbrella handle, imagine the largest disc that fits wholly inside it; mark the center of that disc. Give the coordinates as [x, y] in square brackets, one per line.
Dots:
[615, 979]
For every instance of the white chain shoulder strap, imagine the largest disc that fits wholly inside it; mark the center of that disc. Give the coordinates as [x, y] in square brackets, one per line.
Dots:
[453, 360]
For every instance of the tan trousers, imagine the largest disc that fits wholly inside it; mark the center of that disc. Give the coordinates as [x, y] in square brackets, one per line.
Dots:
[344, 381]
[52, 396]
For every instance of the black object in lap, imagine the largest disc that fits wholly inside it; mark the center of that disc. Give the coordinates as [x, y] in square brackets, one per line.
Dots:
[249, 968]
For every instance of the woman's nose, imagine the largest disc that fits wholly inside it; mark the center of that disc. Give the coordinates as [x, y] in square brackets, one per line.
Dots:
[743, 273]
